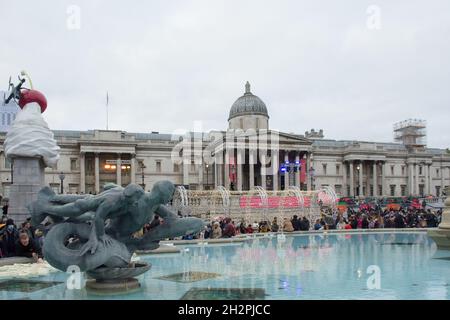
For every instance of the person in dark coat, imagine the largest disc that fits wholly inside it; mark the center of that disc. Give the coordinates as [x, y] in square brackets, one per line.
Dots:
[304, 224]
[295, 223]
[26, 226]
[353, 222]
[399, 222]
[28, 247]
[364, 222]
[5, 209]
[10, 237]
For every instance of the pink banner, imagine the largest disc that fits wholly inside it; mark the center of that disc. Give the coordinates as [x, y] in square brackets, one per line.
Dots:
[302, 171]
[232, 168]
[273, 202]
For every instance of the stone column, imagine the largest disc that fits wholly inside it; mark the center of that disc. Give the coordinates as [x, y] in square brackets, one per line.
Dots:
[352, 179]
[216, 177]
[417, 178]
[97, 173]
[375, 183]
[133, 168]
[427, 173]
[308, 167]
[367, 167]
[442, 178]
[411, 178]
[220, 172]
[185, 172]
[82, 173]
[218, 169]
[448, 175]
[200, 176]
[286, 174]
[360, 193]
[119, 170]
[344, 179]
[227, 170]
[274, 164]
[263, 175]
[430, 179]
[251, 160]
[239, 163]
[28, 178]
[297, 174]
[383, 179]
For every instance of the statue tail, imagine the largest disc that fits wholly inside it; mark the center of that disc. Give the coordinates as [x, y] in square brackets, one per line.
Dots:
[169, 229]
[62, 255]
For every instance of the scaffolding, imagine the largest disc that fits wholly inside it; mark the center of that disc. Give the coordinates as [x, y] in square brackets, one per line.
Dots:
[412, 133]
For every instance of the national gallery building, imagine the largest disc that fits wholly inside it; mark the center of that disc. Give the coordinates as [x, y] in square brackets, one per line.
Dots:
[246, 155]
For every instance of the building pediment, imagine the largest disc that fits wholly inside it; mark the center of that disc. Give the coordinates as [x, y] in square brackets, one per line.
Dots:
[288, 137]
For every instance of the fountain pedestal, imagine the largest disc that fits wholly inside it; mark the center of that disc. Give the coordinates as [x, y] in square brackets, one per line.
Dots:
[116, 280]
[28, 178]
[442, 234]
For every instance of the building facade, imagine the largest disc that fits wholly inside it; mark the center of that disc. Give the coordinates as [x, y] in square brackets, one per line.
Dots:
[232, 158]
[7, 113]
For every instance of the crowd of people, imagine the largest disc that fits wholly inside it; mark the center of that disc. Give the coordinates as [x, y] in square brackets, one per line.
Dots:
[25, 241]
[330, 219]
[373, 219]
[227, 228]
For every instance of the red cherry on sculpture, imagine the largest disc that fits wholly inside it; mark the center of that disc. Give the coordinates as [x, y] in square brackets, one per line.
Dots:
[28, 96]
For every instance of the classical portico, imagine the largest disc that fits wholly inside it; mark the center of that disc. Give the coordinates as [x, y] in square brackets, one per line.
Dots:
[248, 165]
[249, 154]
[364, 177]
[101, 164]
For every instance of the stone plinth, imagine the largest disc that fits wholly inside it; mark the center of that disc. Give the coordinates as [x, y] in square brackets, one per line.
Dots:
[116, 280]
[28, 179]
[442, 234]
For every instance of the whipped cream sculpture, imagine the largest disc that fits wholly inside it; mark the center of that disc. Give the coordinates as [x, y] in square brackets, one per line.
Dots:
[30, 135]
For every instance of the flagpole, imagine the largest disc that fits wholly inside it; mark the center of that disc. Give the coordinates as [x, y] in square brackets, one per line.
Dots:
[107, 103]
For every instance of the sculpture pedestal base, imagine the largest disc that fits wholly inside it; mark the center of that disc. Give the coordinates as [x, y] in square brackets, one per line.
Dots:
[116, 280]
[28, 179]
[113, 286]
[441, 237]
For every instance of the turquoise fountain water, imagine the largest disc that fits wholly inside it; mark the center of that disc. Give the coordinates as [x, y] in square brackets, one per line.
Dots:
[319, 266]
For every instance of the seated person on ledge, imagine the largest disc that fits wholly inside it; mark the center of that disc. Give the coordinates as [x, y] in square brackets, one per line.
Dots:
[27, 247]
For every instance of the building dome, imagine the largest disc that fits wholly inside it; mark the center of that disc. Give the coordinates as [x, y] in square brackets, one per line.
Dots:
[248, 104]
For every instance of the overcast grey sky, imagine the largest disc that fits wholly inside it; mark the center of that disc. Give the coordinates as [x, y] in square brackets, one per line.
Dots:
[166, 64]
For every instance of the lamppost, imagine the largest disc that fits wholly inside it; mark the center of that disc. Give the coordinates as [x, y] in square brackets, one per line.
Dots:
[61, 177]
[142, 175]
[207, 175]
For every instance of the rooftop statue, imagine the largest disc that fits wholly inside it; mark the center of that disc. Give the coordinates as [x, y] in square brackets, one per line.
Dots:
[101, 227]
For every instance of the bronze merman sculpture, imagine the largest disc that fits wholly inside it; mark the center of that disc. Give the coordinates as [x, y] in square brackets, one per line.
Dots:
[101, 227]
